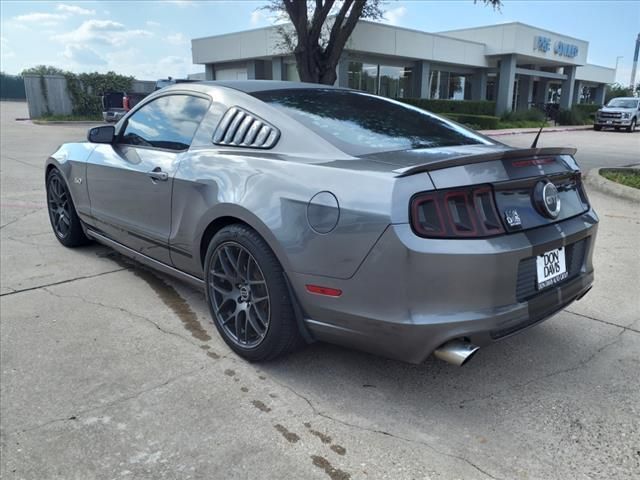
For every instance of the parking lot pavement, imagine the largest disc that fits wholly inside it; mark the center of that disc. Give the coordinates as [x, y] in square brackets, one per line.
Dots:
[607, 148]
[108, 370]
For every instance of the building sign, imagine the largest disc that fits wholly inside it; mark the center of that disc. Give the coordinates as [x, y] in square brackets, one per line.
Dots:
[562, 49]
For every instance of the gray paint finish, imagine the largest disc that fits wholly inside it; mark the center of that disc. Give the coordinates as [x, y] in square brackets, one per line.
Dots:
[403, 295]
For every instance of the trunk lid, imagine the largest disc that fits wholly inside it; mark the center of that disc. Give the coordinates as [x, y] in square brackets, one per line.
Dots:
[516, 178]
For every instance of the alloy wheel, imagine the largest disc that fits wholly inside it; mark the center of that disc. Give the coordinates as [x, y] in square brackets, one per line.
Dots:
[240, 296]
[59, 206]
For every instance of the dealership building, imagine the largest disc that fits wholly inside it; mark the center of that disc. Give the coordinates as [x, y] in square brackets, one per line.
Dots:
[513, 64]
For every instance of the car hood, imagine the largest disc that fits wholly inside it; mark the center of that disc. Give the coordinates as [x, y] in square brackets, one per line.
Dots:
[616, 109]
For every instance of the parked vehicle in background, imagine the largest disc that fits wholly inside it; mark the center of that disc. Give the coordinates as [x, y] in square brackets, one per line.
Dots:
[165, 82]
[112, 106]
[311, 212]
[621, 112]
[116, 104]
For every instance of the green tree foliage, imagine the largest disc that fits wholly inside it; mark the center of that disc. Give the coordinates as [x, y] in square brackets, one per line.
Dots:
[319, 31]
[85, 89]
[617, 90]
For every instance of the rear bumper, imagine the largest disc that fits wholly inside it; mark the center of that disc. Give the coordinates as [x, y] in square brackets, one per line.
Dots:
[411, 295]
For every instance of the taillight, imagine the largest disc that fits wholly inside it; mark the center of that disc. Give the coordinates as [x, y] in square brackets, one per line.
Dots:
[458, 213]
[125, 103]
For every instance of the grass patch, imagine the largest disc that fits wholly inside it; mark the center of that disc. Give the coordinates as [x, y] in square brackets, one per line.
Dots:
[630, 178]
[70, 118]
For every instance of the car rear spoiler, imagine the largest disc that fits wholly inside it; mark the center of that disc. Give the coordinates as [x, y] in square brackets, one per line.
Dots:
[531, 153]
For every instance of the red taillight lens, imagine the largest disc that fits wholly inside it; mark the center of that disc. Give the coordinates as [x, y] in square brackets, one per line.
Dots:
[460, 213]
[327, 291]
[125, 103]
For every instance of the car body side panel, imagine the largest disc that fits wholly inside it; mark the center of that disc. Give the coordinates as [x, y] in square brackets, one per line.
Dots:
[70, 159]
[275, 193]
[128, 205]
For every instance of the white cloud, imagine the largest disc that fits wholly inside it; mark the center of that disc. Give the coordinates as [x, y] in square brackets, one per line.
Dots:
[127, 62]
[151, 23]
[394, 16]
[257, 16]
[5, 50]
[83, 55]
[177, 39]
[40, 18]
[74, 9]
[182, 3]
[102, 32]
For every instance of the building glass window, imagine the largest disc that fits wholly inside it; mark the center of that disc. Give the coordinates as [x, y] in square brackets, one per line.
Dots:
[395, 82]
[363, 76]
[384, 80]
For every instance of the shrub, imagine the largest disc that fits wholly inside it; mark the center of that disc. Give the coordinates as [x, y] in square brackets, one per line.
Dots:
[588, 109]
[532, 115]
[472, 107]
[481, 122]
[575, 116]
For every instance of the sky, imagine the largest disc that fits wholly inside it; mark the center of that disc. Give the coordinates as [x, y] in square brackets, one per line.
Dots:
[151, 39]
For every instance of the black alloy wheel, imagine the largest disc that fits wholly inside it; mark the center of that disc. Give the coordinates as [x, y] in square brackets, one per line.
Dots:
[240, 295]
[64, 220]
[248, 295]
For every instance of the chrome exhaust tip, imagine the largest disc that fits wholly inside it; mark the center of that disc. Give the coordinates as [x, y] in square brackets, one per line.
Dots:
[456, 352]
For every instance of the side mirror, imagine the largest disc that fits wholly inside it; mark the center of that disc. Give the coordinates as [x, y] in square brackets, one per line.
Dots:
[102, 134]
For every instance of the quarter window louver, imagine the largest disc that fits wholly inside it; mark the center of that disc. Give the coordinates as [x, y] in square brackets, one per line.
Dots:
[240, 128]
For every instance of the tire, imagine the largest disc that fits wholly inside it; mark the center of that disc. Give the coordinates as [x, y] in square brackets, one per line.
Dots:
[632, 128]
[617, 129]
[248, 296]
[597, 127]
[66, 225]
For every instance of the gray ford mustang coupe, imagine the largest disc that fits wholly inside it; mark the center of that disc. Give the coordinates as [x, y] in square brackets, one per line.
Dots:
[308, 212]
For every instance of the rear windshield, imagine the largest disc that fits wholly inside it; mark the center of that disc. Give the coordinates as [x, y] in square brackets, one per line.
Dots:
[360, 124]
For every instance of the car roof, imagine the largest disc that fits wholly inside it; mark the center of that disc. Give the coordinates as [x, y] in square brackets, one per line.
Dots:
[625, 98]
[249, 86]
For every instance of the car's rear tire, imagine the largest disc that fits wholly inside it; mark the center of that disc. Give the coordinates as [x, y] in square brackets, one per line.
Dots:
[66, 225]
[597, 127]
[632, 127]
[248, 295]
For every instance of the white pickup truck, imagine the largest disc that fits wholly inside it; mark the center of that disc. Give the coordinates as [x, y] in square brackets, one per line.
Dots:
[621, 112]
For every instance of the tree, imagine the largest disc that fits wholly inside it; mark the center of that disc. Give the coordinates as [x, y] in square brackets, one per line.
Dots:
[320, 29]
[617, 90]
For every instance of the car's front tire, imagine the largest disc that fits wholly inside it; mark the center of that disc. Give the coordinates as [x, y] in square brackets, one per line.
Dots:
[597, 127]
[65, 222]
[248, 295]
[632, 126]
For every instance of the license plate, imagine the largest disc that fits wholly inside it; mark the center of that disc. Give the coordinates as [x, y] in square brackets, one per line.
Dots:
[552, 268]
[609, 122]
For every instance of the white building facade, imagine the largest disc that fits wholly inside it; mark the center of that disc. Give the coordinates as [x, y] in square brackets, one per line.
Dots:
[513, 64]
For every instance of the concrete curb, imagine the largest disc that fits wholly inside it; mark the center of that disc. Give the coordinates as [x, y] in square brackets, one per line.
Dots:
[79, 123]
[519, 131]
[598, 182]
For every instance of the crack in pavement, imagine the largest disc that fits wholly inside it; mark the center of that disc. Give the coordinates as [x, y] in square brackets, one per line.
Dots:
[319, 413]
[7, 157]
[22, 217]
[61, 282]
[602, 321]
[554, 373]
[106, 405]
[123, 310]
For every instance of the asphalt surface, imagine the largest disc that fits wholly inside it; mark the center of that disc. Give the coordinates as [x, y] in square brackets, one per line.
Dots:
[110, 371]
[606, 148]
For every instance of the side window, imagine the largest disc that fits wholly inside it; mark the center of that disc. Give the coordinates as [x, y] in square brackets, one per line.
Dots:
[167, 122]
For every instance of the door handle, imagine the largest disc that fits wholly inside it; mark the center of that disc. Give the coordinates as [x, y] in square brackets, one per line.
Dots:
[158, 174]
